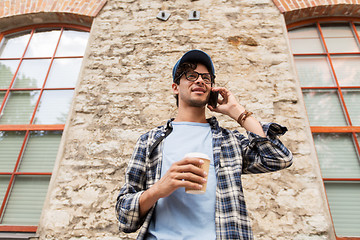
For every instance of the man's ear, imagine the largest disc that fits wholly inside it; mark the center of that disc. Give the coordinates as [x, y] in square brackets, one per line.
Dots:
[175, 87]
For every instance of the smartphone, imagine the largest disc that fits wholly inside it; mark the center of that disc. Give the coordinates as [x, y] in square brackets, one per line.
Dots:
[213, 99]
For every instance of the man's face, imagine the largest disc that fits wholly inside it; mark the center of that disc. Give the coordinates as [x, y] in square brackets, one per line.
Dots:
[194, 94]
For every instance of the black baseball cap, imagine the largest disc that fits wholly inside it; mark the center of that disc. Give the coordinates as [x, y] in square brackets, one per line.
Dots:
[195, 56]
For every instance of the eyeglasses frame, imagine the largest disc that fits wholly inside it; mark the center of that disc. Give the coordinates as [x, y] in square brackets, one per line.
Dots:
[199, 74]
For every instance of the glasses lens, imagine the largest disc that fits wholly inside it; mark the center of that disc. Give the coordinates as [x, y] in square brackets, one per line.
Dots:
[206, 77]
[192, 76]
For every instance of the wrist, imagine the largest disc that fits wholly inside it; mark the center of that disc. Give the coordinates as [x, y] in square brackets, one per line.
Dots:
[146, 201]
[235, 113]
[153, 193]
[243, 116]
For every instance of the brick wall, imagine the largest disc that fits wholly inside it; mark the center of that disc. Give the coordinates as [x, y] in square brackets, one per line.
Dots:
[15, 13]
[82, 7]
[299, 10]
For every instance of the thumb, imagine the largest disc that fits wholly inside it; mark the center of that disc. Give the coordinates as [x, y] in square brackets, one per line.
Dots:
[211, 108]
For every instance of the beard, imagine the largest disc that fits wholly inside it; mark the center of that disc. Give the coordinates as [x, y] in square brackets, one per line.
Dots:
[197, 103]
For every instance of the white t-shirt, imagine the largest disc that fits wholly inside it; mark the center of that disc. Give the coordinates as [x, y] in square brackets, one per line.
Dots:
[182, 215]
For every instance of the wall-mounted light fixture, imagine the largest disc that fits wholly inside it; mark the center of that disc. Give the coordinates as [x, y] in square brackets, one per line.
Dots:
[162, 15]
[194, 15]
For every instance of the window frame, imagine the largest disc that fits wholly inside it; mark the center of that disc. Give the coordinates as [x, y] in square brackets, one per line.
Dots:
[353, 130]
[28, 128]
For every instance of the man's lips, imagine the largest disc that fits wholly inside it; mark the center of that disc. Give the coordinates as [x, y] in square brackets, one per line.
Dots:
[198, 89]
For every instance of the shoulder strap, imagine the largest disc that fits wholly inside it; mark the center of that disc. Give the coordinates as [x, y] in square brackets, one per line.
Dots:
[156, 143]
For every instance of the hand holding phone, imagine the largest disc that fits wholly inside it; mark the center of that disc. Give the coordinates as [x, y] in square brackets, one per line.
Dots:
[213, 99]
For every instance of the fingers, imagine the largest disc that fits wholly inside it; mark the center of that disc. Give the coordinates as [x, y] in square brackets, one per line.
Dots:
[225, 94]
[175, 178]
[188, 170]
[191, 165]
[184, 173]
[186, 179]
[213, 109]
[223, 91]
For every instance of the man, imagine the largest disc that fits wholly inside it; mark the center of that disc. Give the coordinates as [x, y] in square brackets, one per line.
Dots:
[153, 196]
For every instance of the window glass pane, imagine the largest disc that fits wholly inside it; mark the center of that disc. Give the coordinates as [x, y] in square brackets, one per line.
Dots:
[32, 73]
[339, 38]
[72, 43]
[7, 71]
[10, 146]
[13, 45]
[305, 40]
[2, 95]
[344, 204]
[64, 73]
[20, 107]
[4, 182]
[43, 43]
[337, 155]
[352, 101]
[26, 200]
[314, 71]
[40, 152]
[54, 107]
[347, 70]
[323, 108]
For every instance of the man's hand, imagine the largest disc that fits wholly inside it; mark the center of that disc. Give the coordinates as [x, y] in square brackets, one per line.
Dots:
[184, 173]
[228, 105]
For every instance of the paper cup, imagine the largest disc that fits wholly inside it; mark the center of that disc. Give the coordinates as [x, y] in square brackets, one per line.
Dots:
[205, 166]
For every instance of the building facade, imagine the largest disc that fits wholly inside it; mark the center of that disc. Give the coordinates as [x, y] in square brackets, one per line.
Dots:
[80, 81]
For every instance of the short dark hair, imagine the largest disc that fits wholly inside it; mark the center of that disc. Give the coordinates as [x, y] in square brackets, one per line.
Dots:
[184, 67]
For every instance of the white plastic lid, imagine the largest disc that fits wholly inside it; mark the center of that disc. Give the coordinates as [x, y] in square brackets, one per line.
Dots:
[197, 154]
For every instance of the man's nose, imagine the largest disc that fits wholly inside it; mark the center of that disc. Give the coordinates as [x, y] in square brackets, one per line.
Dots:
[200, 80]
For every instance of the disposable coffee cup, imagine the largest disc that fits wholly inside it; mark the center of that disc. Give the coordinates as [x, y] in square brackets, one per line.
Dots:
[205, 166]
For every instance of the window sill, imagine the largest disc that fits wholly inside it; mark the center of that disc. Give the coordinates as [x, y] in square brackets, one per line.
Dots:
[16, 236]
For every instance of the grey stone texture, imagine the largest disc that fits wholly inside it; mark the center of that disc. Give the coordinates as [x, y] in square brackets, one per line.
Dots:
[124, 90]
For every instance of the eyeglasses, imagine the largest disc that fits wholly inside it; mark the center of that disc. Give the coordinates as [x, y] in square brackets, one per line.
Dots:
[193, 76]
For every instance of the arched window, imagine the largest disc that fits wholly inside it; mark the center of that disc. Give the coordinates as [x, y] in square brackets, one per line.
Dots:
[39, 68]
[327, 58]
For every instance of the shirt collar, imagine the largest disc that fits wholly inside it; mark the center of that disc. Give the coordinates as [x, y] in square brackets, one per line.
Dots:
[214, 124]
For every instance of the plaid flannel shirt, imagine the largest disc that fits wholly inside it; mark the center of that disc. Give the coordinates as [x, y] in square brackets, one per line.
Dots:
[234, 155]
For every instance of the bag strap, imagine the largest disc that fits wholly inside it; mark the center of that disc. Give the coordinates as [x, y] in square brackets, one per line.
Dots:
[156, 143]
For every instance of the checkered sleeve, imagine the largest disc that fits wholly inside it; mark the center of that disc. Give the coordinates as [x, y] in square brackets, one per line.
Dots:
[127, 205]
[266, 154]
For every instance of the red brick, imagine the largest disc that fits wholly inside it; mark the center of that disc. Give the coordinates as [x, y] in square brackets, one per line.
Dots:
[285, 5]
[309, 8]
[38, 5]
[312, 12]
[296, 4]
[302, 4]
[21, 9]
[88, 8]
[276, 2]
[11, 8]
[279, 5]
[62, 7]
[2, 9]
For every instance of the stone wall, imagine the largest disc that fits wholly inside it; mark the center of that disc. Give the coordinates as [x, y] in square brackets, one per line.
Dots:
[125, 89]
